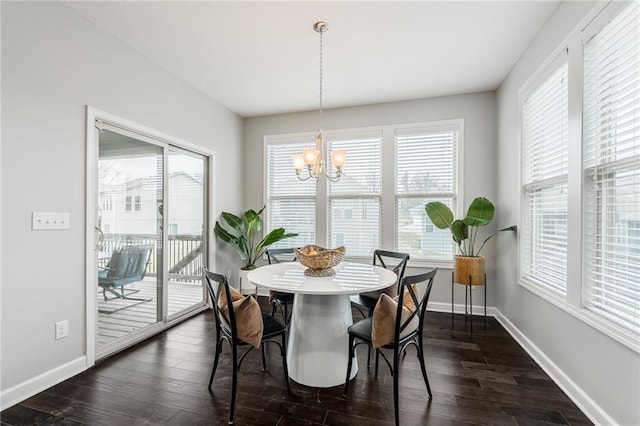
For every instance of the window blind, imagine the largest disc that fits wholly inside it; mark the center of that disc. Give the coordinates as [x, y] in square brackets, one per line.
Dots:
[291, 203]
[426, 170]
[611, 174]
[544, 178]
[355, 200]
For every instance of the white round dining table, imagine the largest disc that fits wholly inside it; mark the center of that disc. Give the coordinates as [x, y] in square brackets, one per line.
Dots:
[318, 346]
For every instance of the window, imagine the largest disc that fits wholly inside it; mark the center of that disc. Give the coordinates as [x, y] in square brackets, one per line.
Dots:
[132, 203]
[426, 170]
[173, 229]
[355, 200]
[354, 206]
[580, 228]
[107, 202]
[611, 171]
[291, 203]
[545, 141]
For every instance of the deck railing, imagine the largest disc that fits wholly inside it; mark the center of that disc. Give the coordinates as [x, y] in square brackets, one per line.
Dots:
[184, 253]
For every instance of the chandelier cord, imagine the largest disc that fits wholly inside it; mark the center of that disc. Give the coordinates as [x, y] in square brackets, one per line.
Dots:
[321, 118]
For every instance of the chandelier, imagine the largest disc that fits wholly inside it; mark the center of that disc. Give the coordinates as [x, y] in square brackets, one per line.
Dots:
[313, 159]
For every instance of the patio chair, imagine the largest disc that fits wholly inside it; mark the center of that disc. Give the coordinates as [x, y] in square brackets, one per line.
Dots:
[126, 266]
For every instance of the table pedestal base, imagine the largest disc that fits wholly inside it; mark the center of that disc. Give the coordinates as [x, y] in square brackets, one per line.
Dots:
[318, 346]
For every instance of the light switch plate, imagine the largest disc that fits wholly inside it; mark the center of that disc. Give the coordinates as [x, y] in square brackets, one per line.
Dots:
[49, 220]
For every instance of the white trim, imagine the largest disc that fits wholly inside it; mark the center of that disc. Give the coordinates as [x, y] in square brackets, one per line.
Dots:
[164, 273]
[91, 196]
[588, 406]
[458, 308]
[211, 218]
[37, 384]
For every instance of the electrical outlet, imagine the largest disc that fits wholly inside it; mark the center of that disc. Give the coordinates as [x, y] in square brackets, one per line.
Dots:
[62, 329]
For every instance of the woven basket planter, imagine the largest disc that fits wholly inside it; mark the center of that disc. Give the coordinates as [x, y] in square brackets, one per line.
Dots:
[469, 270]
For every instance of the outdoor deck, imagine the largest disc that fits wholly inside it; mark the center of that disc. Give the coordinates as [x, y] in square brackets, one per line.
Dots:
[120, 317]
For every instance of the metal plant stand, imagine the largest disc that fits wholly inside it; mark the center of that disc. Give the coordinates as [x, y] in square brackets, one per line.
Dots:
[469, 311]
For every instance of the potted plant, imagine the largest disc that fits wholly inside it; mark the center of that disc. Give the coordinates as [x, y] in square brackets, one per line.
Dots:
[246, 241]
[469, 265]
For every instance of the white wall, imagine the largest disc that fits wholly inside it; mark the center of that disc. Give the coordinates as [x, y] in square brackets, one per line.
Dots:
[54, 63]
[602, 374]
[479, 113]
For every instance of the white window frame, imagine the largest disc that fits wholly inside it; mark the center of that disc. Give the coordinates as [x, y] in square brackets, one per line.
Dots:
[457, 194]
[388, 197]
[534, 83]
[599, 16]
[284, 139]
[337, 135]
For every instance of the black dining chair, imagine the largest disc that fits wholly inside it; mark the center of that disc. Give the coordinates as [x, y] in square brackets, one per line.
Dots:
[278, 299]
[395, 261]
[402, 330]
[228, 325]
[365, 302]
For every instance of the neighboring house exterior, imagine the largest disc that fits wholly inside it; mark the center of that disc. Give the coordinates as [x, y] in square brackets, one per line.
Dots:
[131, 207]
[420, 232]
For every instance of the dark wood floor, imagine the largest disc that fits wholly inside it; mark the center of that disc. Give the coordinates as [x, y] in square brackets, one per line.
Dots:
[479, 378]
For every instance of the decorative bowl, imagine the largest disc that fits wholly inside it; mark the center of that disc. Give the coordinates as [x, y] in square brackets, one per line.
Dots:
[318, 260]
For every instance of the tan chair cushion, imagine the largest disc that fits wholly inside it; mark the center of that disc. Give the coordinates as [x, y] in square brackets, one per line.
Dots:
[248, 316]
[384, 319]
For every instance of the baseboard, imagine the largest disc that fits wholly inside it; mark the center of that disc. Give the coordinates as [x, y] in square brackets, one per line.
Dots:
[459, 309]
[24, 390]
[588, 406]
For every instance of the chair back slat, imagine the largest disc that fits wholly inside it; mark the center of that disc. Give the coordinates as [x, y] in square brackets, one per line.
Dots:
[407, 288]
[279, 255]
[217, 283]
[394, 261]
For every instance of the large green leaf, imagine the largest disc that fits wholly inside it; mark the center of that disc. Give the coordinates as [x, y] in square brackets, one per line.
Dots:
[238, 243]
[459, 230]
[513, 228]
[440, 214]
[480, 212]
[274, 236]
[234, 221]
[254, 222]
[243, 248]
[224, 235]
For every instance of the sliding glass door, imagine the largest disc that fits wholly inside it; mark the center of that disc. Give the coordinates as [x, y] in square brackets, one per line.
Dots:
[150, 238]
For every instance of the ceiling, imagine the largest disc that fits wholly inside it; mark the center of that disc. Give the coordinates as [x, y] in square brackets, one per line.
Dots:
[259, 58]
